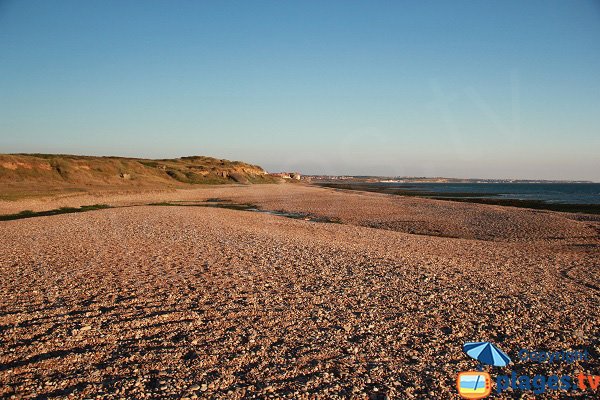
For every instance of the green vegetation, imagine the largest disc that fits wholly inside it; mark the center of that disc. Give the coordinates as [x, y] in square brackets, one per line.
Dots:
[23, 174]
[62, 210]
[214, 203]
[259, 179]
[151, 164]
[220, 203]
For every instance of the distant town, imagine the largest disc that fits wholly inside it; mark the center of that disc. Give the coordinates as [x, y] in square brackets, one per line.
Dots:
[421, 179]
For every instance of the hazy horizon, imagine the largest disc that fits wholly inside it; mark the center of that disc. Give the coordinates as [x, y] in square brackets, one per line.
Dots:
[305, 171]
[500, 90]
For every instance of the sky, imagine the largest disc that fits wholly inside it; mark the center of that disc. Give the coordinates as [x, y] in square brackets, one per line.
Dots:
[488, 89]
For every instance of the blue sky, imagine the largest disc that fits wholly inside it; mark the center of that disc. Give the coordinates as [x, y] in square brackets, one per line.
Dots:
[506, 89]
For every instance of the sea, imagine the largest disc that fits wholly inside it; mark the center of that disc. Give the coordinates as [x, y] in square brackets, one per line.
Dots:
[561, 193]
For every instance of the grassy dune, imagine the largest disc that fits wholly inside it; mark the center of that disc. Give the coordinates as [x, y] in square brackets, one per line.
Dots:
[27, 175]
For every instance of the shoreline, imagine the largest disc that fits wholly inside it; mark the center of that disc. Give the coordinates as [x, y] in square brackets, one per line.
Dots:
[469, 198]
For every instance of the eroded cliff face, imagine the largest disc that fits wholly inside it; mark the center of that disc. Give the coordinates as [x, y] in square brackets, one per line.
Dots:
[28, 170]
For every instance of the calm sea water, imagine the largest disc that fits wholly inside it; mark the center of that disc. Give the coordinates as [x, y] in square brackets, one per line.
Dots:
[570, 193]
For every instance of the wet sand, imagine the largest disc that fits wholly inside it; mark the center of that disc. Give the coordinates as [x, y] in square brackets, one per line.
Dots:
[146, 301]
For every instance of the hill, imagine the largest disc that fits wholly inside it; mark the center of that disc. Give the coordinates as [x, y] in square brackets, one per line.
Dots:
[30, 174]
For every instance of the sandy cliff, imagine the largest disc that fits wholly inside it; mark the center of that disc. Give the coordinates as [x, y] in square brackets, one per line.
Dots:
[20, 173]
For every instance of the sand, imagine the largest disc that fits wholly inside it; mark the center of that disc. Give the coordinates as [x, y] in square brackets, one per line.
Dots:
[174, 302]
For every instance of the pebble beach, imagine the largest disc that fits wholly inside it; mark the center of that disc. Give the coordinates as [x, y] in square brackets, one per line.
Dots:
[373, 301]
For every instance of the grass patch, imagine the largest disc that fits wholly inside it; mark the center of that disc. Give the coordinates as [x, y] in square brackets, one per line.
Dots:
[149, 163]
[260, 179]
[62, 210]
[221, 203]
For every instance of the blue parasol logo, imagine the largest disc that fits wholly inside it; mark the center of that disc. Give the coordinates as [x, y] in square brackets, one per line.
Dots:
[477, 385]
[487, 354]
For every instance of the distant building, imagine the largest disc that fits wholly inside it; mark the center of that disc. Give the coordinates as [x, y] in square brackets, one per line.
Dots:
[288, 175]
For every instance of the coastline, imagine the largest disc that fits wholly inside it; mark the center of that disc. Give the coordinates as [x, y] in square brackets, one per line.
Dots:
[469, 197]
